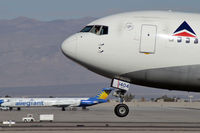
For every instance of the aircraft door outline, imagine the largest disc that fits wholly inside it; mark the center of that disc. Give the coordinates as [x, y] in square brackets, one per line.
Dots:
[148, 39]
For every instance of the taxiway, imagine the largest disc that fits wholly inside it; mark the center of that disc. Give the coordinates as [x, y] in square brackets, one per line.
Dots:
[144, 117]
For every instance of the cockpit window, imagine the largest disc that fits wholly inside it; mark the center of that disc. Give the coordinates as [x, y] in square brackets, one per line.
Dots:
[87, 28]
[96, 29]
[104, 30]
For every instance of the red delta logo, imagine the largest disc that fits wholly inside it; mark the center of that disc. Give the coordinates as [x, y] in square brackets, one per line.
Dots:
[184, 30]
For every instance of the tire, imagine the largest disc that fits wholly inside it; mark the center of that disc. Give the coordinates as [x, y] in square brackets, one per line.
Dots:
[63, 108]
[25, 120]
[18, 109]
[121, 110]
[10, 108]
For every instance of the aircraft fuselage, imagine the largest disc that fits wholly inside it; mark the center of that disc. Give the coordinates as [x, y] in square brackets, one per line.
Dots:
[151, 48]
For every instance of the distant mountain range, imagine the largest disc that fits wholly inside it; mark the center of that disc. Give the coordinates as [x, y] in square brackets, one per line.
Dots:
[30, 53]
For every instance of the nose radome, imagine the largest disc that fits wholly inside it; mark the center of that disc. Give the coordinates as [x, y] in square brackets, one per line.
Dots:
[68, 47]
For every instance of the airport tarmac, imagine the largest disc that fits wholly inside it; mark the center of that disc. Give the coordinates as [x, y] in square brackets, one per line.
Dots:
[143, 117]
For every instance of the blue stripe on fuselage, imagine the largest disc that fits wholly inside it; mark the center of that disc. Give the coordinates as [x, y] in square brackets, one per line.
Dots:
[1, 101]
[91, 101]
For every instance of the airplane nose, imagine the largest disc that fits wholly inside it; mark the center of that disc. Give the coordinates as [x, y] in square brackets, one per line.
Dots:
[68, 47]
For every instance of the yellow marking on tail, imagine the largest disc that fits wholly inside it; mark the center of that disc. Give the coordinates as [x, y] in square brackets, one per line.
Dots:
[103, 95]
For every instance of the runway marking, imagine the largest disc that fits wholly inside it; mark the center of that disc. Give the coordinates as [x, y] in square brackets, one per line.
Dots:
[104, 126]
[183, 108]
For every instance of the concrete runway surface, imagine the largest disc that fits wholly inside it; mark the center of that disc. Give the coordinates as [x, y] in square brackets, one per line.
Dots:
[144, 117]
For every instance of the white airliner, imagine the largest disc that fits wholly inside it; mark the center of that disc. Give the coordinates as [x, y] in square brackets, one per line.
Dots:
[151, 48]
[101, 97]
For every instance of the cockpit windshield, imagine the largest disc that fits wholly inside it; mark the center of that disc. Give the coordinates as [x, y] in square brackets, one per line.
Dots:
[96, 29]
[86, 29]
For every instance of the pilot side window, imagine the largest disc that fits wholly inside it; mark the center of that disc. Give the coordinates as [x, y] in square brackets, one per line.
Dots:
[104, 30]
[96, 29]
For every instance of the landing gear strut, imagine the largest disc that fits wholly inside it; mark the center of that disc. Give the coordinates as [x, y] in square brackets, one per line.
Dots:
[121, 110]
[84, 108]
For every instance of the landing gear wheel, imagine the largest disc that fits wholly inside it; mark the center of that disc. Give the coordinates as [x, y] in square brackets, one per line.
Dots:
[10, 108]
[121, 110]
[63, 108]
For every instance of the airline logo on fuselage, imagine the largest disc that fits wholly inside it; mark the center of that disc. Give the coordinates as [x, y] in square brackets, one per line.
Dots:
[30, 103]
[184, 30]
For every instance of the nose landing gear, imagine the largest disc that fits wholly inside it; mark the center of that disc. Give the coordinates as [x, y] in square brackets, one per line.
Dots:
[121, 110]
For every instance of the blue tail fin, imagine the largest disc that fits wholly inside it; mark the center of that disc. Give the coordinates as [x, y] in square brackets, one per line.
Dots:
[101, 97]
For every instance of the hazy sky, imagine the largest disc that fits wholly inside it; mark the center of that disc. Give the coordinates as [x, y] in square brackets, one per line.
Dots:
[66, 9]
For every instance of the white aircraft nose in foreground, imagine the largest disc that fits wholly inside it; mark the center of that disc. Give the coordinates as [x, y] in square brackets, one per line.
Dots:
[150, 48]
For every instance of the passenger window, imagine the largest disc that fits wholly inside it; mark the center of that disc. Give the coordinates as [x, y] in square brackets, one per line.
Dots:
[179, 39]
[187, 40]
[196, 41]
[104, 30]
[87, 28]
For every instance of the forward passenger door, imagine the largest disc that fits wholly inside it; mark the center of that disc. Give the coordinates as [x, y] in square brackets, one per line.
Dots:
[148, 39]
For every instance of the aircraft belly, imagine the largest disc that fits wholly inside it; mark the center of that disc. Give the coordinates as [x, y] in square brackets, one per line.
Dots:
[185, 78]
